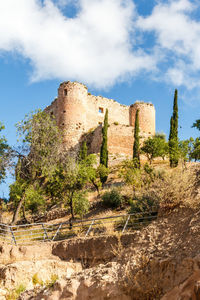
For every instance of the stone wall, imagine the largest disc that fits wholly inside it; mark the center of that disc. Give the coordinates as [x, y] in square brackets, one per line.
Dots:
[80, 115]
[96, 108]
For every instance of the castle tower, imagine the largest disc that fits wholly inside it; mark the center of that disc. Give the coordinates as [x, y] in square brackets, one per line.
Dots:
[146, 117]
[71, 107]
[80, 116]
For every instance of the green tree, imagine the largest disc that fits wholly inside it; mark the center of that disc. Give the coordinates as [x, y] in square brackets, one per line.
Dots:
[17, 196]
[139, 179]
[104, 146]
[131, 175]
[69, 180]
[155, 146]
[96, 174]
[196, 124]
[187, 149]
[83, 151]
[39, 155]
[4, 154]
[184, 149]
[190, 147]
[195, 154]
[173, 135]
[41, 141]
[81, 203]
[163, 145]
[35, 199]
[136, 144]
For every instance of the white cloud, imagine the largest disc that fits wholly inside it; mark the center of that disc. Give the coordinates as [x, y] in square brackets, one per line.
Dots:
[93, 47]
[177, 34]
[104, 41]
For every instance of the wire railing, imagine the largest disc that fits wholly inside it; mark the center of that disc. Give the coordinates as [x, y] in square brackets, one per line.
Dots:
[29, 233]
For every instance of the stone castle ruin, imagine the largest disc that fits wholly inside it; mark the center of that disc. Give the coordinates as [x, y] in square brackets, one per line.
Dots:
[81, 116]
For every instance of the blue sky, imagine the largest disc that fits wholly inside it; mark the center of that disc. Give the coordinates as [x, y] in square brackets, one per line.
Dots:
[122, 49]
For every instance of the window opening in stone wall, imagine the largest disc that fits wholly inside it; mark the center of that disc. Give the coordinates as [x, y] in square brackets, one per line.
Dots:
[65, 92]
[101, 110]
[64, 111]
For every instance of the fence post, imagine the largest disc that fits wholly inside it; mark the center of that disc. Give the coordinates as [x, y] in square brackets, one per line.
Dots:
[57, 231]
[45, 232]
[126, 224]
[88, 231]
[13, 236]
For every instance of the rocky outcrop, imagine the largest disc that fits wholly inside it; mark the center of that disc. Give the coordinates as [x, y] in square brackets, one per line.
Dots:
[94, 283]
[188, 290]
[24, 272]
[105, 281]
[92, 251]
[161, 261]
[38, 251]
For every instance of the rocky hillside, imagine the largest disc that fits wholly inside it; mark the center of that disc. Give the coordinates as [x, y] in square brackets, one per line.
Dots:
[161, 261]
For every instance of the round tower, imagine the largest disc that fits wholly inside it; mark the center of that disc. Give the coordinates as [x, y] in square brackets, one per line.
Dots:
[146, 117]
[71, 117]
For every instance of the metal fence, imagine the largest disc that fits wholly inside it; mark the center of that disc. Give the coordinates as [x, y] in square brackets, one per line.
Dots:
[28, 233]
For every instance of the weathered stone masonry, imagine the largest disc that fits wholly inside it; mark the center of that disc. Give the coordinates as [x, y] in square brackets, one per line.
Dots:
[81, 115]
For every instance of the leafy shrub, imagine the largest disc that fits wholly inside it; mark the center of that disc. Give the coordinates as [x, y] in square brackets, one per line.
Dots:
[144, 204]
[148, 169]
[131, 175]
[112, 199]
[34, 199]
[81, 204]
[103, 173]
[16, 191]
[116, 123]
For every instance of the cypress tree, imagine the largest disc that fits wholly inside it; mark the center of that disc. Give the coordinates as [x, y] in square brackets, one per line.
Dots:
[104, 146]
[173, 135]
[136, 145]
[83, 151]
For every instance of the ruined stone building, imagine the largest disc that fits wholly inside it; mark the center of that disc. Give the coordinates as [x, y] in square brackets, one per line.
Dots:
[81, 116]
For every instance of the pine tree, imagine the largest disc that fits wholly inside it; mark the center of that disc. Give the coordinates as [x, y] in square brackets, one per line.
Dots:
[173, 135]
[104, 146]
[136, 145]
[83, 151]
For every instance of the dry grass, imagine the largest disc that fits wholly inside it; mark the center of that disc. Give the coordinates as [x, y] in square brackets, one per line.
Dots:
[15, 293]
[142, 283]
[172, 188]
[177, 188]
[117, 250]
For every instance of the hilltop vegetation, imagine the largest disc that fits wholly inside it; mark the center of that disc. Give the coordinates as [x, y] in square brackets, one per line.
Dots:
[47, 176]
[157, 258]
